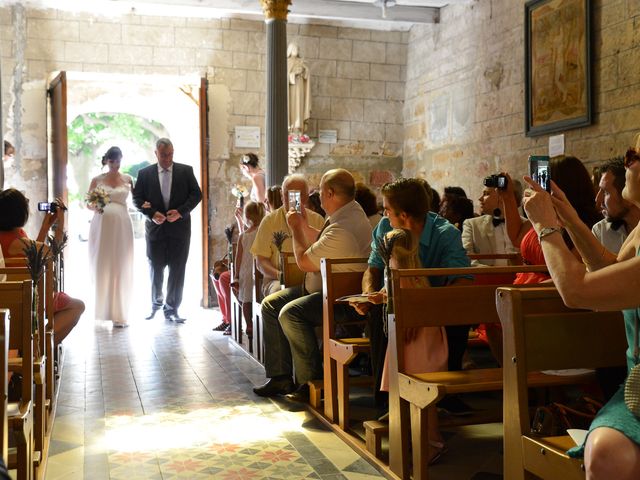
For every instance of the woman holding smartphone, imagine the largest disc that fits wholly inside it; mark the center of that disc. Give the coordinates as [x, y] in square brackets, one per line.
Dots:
[601, 281]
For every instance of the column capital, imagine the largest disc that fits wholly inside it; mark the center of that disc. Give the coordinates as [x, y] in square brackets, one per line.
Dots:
[275, 9]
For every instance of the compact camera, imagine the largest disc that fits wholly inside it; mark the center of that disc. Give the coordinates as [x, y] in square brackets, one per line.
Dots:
[47, 207]
[495, 181]
[295, 200]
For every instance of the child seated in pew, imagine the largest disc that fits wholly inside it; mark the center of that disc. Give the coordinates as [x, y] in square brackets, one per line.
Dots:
[426, 348]
[243, 287]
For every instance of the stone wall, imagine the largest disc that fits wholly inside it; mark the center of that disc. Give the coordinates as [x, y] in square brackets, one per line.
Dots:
[464, 104]
[357, 84]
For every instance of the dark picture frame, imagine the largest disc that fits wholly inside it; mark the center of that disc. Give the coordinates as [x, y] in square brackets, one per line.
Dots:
[557, 39]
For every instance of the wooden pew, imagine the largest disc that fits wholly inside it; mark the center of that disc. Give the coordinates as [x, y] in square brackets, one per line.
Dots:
[42, 363]
[291, 273]
[411, 394]
[512, 258]
[16, 297]
[338, 353]
[257, 343]
[541, 333]
[4, 376]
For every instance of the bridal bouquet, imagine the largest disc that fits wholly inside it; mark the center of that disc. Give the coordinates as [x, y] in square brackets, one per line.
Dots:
[98, 198]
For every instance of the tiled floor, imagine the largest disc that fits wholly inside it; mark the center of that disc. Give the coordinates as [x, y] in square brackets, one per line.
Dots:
[159, 400]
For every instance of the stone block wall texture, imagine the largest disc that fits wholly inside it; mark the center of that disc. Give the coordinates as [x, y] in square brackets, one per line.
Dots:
[464, 97]
[357, 82]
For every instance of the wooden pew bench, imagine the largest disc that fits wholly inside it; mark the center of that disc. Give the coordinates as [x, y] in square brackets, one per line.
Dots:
[340, 277]
[5, 316]
[410, 395]
[43, 351]
[541, 333]
[16, 297]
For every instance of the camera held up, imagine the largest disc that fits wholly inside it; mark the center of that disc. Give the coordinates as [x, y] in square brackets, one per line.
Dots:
[495, 181]
[48, 207]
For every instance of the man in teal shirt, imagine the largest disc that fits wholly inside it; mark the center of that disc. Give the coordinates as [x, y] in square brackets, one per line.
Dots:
[407, 204]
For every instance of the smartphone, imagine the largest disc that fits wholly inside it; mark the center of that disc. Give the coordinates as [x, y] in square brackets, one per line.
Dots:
[539, 171]
[294, 200]
[44, 206]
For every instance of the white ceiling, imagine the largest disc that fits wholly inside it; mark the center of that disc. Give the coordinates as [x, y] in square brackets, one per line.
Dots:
[357, 13]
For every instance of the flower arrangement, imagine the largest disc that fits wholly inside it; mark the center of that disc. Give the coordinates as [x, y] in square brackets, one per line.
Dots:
[98, 198]
[298, 138]
[239, 191]
[278, 239]
[37, 258]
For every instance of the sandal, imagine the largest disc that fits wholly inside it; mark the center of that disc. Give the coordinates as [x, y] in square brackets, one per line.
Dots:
[227, 330]
[220, 328]
[438, 449]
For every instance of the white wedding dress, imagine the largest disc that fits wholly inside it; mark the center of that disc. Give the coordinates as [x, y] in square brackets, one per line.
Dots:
[111, 257]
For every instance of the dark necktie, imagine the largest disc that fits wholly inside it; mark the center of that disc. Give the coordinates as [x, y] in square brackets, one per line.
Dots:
[497, 221]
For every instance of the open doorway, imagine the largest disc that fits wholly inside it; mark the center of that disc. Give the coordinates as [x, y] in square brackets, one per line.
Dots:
[130, 112]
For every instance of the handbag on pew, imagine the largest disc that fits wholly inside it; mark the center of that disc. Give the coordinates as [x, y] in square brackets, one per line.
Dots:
[556, 418]
[632, 385]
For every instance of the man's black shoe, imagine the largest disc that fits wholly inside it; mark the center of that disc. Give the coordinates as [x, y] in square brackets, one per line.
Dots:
[275, 386]
[172, 317]
[152, 313]
[301, 394]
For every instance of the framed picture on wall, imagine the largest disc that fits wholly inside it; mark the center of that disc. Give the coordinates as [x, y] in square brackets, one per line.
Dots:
[557, 65]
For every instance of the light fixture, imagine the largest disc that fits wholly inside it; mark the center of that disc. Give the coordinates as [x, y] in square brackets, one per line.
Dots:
[384, 4]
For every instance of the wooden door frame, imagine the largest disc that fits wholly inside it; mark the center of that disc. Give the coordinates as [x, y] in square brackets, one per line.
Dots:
[204, 185]
[57, 143]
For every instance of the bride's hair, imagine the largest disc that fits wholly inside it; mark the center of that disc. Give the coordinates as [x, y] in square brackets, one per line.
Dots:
[114, 153]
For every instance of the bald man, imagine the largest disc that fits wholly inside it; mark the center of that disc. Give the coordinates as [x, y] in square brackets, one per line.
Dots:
[291, 315]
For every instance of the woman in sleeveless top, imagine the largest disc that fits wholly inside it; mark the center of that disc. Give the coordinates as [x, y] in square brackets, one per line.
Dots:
[111, 243]
[15, 213]
[603, 282]
[250, 166]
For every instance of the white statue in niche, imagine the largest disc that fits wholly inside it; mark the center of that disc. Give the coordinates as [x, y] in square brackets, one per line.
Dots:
[298, 92]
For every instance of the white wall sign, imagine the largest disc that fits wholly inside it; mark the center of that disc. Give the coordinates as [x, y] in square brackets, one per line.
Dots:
[247, 137]
[327, 136]
[556, 145]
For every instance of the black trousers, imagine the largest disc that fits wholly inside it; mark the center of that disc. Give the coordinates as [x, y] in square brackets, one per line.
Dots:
[173, 253]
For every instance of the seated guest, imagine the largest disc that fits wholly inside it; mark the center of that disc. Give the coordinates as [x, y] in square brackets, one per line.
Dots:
[457, 211]
[291, 315]
[612, 446]
[313, 203]
[274, 198]
[243, 265]
[263, 248]
[487, 233]
[570, 174]
[426, 348]
[449, 194]
[620, 215]
[406, 205]
[369, 203]
[14, 208]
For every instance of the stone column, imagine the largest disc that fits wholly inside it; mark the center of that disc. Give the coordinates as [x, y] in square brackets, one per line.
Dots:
[277, 147]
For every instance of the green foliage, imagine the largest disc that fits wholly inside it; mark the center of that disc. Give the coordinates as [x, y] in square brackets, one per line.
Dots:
[90, 130]
[134, 169]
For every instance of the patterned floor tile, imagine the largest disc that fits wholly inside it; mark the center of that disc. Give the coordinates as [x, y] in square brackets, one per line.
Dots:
[167, 403]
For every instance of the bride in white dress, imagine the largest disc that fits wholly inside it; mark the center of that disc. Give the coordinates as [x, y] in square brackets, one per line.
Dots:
[111, 244]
